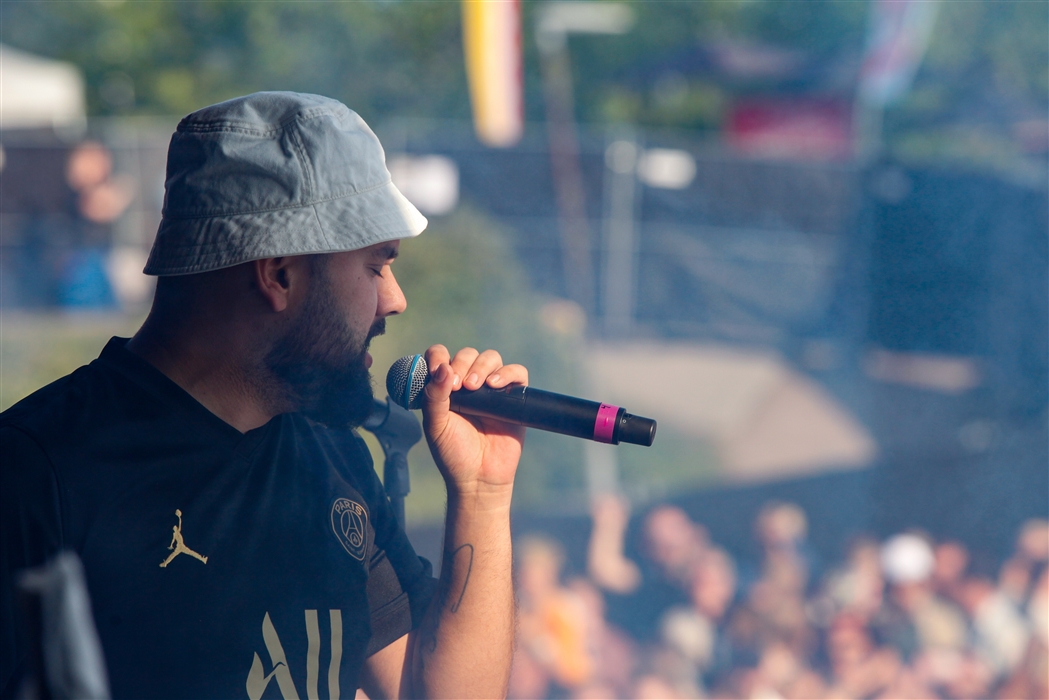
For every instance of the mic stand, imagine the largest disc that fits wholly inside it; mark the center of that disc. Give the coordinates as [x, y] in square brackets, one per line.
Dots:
[397, 430]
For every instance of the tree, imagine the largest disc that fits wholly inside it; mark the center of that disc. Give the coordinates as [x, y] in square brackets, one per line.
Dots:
[380, 58]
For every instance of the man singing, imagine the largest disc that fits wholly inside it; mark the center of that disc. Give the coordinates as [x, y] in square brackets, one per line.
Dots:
[228, 420]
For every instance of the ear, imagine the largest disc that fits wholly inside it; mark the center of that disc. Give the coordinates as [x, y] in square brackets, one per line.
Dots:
[275, 279]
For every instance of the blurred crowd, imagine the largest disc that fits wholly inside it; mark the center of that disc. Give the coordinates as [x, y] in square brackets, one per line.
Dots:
[910, 617]
[59, 205]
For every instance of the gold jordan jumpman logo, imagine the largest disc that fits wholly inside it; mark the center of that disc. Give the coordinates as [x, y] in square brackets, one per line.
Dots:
[178, 545]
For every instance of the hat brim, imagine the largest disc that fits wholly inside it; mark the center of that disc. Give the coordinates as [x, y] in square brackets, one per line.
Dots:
[186, 246]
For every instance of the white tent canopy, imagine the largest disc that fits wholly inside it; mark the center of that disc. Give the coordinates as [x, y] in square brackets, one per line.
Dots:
[37, 92]
[765, 419]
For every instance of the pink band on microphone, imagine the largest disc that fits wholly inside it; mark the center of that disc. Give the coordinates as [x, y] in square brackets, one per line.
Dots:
[605, 425]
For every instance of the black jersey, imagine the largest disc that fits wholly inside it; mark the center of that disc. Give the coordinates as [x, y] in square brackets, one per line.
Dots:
[219, 564]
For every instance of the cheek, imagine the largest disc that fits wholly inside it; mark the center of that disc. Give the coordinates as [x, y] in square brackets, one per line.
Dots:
[358, 298]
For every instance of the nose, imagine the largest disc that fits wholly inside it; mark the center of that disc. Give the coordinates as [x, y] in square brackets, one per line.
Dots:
[391, 298]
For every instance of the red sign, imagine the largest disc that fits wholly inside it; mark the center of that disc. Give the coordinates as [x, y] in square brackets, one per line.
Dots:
[795, 129]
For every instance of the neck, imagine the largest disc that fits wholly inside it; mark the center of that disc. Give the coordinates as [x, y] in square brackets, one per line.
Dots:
[217, 368]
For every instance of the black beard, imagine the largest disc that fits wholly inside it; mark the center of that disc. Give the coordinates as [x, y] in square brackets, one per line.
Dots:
[320, 362]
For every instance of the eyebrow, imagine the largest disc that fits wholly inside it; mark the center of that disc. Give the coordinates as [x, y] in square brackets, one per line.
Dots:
[387, 252]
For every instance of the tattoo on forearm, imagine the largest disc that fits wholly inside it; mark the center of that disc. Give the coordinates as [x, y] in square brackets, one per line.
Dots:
[469, 548]
[430, 625]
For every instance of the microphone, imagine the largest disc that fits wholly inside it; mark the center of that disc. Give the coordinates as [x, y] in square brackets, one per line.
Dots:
[525, 406]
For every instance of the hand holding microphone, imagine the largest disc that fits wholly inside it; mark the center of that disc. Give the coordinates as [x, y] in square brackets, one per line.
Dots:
[474, 457]
[522, 405]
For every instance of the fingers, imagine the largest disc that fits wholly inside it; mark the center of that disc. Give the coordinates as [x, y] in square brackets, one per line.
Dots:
[443, 379]
[472, 369]
[463, 365]
[436, 355]
[486, 367]
[477, 368]
[508, 374]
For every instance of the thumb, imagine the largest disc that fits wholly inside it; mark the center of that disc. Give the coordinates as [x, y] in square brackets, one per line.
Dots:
[437, 399]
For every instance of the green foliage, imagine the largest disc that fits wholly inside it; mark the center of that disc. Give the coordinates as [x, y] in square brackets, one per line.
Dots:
[1001, 46]
[988, 61]
[380, 58]
[986, 70]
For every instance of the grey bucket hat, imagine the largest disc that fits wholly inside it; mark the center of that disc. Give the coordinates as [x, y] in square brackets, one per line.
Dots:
[274, 174]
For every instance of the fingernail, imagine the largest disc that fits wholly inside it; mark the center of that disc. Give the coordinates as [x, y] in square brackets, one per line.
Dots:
[457, 381]
[472, 379]
[495, 380]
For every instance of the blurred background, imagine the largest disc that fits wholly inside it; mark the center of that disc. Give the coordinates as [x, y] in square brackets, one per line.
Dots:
[809, 238]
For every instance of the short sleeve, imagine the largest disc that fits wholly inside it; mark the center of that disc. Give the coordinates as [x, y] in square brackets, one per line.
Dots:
[30, 534]
[400, 582]
[400, 587]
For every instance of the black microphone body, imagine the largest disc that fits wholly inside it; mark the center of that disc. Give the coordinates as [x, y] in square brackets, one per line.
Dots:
[522, 405]
[555, 413]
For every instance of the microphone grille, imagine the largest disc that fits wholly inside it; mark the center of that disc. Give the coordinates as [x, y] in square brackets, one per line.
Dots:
[406, 380]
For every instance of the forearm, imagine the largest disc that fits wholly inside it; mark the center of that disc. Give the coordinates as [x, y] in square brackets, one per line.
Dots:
[607, 565]
[465, 645]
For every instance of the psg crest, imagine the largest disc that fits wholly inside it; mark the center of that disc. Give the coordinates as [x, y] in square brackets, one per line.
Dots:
[349, 521]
